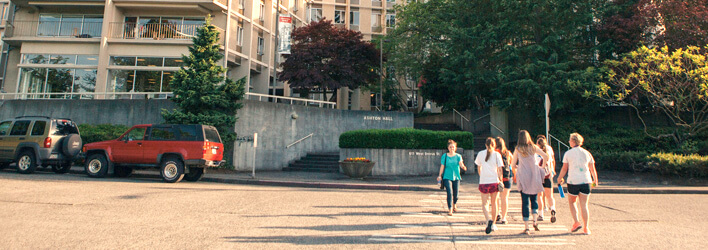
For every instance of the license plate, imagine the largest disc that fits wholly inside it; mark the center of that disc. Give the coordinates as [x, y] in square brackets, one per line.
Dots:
[213, 151]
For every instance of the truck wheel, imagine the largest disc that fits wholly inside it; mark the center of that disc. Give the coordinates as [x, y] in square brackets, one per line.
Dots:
[97, 166]
[122, 171]
[194, 174]
[26, 162]
[62, 168]
[172, 169]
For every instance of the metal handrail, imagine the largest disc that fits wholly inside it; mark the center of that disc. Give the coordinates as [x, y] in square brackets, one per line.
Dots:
[480, 118]
[298, 141]
[559, 144]
[293, 99]
[462, 121]
[495, 126]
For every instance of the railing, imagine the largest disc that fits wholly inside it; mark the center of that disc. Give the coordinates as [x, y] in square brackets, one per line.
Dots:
[298, 141]
[341, 1]
[340, 25]
[53, 29]
[376, 3]
[462, 119]
[156, 31]
[353, 27]
[291, 100]
[474, 123]
[158, 95]
[376, 29]
[558, 152]
[390, 4]
[495, 127]
[87, 95]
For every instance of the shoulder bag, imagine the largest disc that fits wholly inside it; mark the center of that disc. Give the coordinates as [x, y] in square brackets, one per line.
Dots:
[442, 182]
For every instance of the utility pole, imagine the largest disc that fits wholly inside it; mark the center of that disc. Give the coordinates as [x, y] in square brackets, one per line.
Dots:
[275, 50]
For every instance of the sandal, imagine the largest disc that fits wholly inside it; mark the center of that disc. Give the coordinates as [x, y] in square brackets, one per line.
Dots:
[535, 227]
[553, 216]
[498, 218]
[449, 213]
[527, 232]
[576, 227]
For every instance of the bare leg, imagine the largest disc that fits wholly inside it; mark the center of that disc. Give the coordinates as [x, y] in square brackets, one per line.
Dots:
[584, 198]
[540, 203]
[504, 203]
[495, 208]
[485, 206]
[548, 192]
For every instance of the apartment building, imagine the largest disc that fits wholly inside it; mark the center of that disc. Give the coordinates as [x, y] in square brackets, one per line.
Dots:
[120, 49]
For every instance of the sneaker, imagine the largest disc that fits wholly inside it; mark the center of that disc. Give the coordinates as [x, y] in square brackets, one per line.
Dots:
[489, 227]
[503, 222]
[535, 227]
[577, 226]
[494, 227]
[553, 216]
[540, 218]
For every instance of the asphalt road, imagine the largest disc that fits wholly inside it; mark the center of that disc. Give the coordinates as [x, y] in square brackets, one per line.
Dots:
[50, 211]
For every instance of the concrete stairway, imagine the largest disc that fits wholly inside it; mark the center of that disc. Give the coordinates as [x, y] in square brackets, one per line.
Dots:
[316, 162]
[437, 126]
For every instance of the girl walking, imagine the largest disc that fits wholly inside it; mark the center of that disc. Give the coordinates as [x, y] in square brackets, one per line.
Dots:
[529, 177]
[489, 166]
[545, 198]
[580, 166]
[506, 179]
[450, 165]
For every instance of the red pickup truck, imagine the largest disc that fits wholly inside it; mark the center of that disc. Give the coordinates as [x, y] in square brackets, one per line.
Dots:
[180, 151]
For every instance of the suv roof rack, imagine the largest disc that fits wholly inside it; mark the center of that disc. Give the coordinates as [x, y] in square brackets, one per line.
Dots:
[27, 116]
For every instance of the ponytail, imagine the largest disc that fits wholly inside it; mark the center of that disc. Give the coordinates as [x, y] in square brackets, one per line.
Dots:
[489, 144]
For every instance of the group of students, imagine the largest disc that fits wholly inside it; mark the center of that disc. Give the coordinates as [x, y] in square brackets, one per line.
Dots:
[532, 167]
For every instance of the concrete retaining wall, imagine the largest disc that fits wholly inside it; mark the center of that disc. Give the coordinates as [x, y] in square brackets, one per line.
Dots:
[406, 161]
[279, 125]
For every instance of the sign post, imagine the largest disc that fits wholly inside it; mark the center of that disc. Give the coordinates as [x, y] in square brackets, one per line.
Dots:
[547, 106]
[255, 145]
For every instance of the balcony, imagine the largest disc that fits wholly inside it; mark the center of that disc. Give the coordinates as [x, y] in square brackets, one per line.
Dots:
[375, 3]
[354, 2]
[156, 31]
[53, 29]
[340, 25]
[390, 4]
[341, 1]
[376, 29]
[353, 27]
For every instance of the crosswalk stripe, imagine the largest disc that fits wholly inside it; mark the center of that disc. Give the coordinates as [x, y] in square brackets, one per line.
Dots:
[461, 239]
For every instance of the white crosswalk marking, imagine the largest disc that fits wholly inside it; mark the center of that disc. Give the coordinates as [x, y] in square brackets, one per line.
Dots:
[470, 221]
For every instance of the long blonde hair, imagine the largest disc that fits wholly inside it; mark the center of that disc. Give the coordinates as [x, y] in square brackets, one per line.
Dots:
[490, 145]
[541, 142]
[501, 145]
[524, 145]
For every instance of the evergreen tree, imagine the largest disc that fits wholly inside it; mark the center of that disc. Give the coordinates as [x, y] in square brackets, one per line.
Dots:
[201, 92]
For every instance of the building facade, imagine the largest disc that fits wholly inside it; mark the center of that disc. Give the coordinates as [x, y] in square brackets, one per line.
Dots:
[126, 49]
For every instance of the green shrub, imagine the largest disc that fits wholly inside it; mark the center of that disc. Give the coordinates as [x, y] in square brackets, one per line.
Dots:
[691, 166]
[621, 160]
[404, 138]
[101, 132]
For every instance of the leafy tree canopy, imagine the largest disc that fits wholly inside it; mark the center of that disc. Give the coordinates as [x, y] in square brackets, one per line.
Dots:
[326, 57]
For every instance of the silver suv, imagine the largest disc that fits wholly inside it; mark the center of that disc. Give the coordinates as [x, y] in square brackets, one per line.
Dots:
[32, 141]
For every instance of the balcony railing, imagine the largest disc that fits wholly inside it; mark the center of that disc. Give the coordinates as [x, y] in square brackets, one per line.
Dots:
[53, 29]
[376, 29]
[353, 27]
[354, 2]
[157, 31]
[341, 1]
[376, 3]
[340, 25]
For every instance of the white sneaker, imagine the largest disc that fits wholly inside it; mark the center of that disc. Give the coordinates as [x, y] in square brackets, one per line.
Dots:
[494, 227]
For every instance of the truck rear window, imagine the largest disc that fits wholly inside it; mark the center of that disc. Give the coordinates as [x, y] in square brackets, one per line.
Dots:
[211, 135]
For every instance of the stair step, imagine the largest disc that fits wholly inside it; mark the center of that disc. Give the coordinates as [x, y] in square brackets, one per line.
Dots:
[311, 170]
[305, 161]
[307, 165]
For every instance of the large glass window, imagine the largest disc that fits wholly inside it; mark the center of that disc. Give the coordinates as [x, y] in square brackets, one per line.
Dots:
[354, 17]
[339, 16]
[90, 60]
[70, 25]
[56, 83]
[146, 61]
[157, 27]
[126, 81]
[315, 14]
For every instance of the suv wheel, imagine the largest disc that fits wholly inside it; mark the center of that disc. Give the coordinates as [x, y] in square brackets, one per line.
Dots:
[172, 169]
[122, 171]
[97, 165]
[61, 168]
[194, 174]
[26, 162]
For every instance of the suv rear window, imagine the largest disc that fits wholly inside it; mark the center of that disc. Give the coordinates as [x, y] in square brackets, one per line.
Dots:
[38, 127]
[4, 126]
[211, 135]
[65, 127]
[20, 128]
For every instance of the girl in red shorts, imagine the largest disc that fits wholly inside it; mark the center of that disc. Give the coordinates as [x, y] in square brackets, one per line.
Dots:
[489, 166]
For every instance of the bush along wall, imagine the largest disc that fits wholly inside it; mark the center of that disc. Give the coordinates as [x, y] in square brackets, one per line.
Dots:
[404, 138]
[687, 166]
[101, 132]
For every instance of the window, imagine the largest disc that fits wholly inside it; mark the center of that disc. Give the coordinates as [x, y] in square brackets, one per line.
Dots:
[239, 34]
[70, 25]
[390, 20]
[262, 13]
[162, 134]
[90, 60]
[315, 14]
[354, 17]
[57, 82]
[339, 16]
[211, 135]
[123, 81]
[146, 61]
[187, 132]
[4, 126]
[20, 128]
[376, 20]
[261, 44]
[412, 99]
[135, 134]
[38, 128]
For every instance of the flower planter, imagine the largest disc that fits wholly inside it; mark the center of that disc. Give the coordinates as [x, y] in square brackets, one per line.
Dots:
[356, 169]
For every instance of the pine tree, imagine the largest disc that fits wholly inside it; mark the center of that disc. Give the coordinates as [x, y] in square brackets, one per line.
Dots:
[202, 93]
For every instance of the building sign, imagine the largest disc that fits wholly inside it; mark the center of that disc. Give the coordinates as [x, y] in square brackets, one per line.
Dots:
[378, 118]
[285, 27]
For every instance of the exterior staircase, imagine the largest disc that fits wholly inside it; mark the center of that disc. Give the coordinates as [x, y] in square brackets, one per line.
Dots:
[316, 162]
[437, 126]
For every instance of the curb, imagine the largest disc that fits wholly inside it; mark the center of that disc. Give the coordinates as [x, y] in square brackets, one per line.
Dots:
[389, 187]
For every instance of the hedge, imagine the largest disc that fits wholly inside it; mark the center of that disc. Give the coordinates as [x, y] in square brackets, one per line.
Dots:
[101, 132]
[404, 138]
[633, 161]
[692, 166]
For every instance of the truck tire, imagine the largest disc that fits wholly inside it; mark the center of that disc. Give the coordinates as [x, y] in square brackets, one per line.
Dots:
[26, 162]
[123, 172]
[194, 174]
[71, 145]
[62, 168]
[172, 169]
[97, 165]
